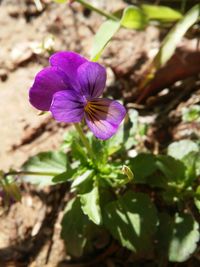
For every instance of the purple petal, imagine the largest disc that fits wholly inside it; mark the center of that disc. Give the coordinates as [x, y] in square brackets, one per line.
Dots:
[47, 82]
[103, 117]
[67, 106]
[92, 78]
[69, 63]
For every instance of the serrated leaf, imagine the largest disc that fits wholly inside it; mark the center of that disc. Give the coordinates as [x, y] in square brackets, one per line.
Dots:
[184, 238]
[49, 164]
[143, 166]
[90, 201]
[77, 231]
[103, 36]
[181, 148]
[133, 18]
[173, 169]
[132, 220]
[163, 13]
[177, 237]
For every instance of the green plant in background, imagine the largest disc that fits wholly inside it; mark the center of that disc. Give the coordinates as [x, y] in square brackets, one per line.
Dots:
[191, 113]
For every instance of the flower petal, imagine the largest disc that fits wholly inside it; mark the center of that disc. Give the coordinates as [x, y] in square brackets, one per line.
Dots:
[103, 117]
[67, 106]
[69, 63]
[47, 82]
[92, 78]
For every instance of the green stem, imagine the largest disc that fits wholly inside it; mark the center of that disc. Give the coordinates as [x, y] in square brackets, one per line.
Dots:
[30, 173]
[84, 140]
[97, 10]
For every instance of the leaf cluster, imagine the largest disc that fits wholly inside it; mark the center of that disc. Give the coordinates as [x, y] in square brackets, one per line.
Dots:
[145, 202]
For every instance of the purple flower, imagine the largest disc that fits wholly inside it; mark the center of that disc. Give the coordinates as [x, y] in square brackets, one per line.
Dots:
[70, 89]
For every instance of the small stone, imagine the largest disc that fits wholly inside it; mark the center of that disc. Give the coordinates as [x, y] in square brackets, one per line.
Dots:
[21, 53]
[3, 75]
[14, 11]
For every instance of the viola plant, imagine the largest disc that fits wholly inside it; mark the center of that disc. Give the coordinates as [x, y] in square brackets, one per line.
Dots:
[117, 188]
[106, 196]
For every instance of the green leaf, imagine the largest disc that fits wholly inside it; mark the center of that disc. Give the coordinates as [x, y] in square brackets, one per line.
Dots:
[115, 176]
[131, 129]
[173, 169]
[90, 201]
[133, 18]
[132, 220]
[177, 237]
[61, 178]
[114, 144]
[157, 179]
[191, 114]
[100, 150]
[73, 171]
[163, 236]
[163, 13]
[197, 164]
[125, 136]
[174, 37]
[78, 151]
[102, 37]
[191, 161]
[181, 148]
[49, 164]
[73, 224]
[143, 166]
[84, 176]
[197, 203]
[197, 198]
[78, 231]
[68, 139]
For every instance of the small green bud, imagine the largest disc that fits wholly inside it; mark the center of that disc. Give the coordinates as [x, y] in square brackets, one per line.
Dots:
[127, 171]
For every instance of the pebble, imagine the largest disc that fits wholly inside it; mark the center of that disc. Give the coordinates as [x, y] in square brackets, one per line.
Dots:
[3, 75]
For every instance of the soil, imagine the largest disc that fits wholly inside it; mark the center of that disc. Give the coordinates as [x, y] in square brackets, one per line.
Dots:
[30, 230]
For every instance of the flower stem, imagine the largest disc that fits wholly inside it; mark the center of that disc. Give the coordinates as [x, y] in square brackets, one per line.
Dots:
[29, 173]
[97, 10]
[84, 140]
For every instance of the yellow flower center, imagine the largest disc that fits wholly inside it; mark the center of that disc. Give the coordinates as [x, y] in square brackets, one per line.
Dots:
[90, 107]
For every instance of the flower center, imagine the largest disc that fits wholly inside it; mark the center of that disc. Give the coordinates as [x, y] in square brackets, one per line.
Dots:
[88, 107]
